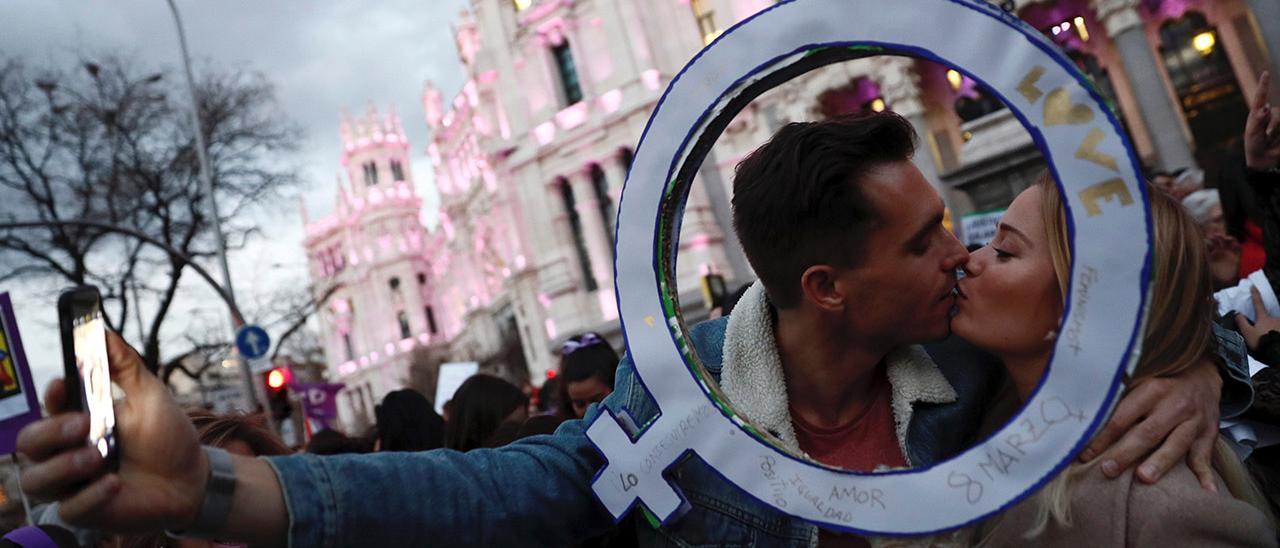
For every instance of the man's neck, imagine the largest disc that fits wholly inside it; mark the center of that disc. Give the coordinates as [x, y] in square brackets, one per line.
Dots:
[830, 373]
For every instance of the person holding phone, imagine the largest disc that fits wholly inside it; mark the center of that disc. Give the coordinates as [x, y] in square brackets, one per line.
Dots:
[539, 490]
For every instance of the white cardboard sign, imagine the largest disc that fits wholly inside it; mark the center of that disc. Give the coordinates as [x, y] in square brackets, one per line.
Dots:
[450, 378]
[1099, 179]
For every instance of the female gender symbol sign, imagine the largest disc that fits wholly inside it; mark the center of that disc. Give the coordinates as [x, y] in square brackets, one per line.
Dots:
[1098, 177]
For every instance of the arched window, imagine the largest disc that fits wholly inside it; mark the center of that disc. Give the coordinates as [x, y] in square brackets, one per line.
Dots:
[568, 72]
[370, 173]
[579, 243]
[601, 187]
[347, 347]
[627, 157]
[403, 319]
[431, 321]
[397, 171]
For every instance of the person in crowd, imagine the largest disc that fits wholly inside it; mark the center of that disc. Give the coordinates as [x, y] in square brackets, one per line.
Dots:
[1241, 212]
[1178, 184]
[1010, 304]
[479, 407]
[39, 536]
[587, 365]
[549, 399]
[407, 422]
[238, 433]
[856, 268]
[332, 442]
[727, 302]
[1205, 207]
[1253, 302]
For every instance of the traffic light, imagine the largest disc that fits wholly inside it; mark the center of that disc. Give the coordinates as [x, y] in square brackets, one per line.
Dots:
[277, 382]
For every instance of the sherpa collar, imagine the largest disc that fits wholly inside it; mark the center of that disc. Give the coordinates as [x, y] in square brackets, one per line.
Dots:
[753, 380]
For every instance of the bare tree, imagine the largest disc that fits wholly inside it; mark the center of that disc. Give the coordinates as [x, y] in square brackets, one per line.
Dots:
[111, 143]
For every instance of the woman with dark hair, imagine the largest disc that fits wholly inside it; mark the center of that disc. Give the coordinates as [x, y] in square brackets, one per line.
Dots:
[406, 422]
[587, 364]
[332, 442]
[479, 406]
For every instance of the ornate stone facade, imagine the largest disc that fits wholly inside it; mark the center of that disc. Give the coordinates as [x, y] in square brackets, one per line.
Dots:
[531, 155]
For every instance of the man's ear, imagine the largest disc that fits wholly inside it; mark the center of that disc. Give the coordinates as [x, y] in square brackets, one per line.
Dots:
[818, 286]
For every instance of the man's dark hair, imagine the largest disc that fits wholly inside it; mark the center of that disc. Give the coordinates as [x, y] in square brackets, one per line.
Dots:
[797, 201]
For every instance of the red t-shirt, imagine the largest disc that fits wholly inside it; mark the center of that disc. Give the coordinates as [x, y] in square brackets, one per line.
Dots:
[866, 442]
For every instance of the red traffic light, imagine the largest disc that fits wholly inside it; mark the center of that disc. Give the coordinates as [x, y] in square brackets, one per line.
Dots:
[276, 379]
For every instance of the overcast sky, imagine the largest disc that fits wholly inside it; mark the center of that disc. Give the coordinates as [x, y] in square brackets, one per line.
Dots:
[320, 55]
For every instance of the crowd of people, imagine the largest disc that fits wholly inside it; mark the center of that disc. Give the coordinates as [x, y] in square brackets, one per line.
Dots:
[860, 346]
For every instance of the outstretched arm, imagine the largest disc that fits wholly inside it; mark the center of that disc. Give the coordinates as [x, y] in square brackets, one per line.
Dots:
[534, 491]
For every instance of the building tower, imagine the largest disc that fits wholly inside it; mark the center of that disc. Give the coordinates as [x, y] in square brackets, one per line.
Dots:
[368, 262]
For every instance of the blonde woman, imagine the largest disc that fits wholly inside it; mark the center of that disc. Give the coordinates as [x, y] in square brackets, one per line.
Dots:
[1010, 303]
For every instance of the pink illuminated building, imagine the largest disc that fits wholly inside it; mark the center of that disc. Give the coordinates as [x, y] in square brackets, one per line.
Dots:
[531, 154]
[374, 249]
[530, 158]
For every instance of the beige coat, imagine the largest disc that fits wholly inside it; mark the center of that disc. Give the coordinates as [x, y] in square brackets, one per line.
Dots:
[1125, 512]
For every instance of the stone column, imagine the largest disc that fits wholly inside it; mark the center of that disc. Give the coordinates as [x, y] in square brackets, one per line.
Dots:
[594, 235]
[615, 173]
[722, 212]
[1159, 114]
[899, 84]
[1267, 14]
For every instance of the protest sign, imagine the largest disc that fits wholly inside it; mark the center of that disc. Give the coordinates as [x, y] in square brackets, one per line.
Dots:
[18, 403]
[451, 376]
[1098, 176]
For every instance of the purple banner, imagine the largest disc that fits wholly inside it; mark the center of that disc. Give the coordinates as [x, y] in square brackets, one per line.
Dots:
[18, 403]
[319, 400]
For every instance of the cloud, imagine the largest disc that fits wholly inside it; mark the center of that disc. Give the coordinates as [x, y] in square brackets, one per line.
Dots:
[321, 56]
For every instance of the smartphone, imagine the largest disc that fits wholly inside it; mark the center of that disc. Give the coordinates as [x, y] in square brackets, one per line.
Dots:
[84, 356]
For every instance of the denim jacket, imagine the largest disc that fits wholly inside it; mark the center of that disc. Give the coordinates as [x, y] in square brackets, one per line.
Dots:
[537, 492]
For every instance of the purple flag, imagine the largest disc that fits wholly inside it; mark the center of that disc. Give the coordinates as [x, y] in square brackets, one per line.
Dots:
[18, 404]
[319, 401]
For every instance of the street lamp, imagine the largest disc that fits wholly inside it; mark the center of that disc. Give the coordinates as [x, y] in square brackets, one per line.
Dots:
[256, 394]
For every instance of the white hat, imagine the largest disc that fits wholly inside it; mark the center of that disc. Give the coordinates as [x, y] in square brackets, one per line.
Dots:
[1200, 203]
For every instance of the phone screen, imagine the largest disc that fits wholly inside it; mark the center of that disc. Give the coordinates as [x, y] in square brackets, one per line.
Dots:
[90, 339]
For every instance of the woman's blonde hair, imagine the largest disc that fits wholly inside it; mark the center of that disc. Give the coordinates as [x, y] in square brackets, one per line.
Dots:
[1179, 331]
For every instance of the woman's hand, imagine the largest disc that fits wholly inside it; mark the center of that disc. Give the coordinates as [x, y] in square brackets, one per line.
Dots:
[1263, 322]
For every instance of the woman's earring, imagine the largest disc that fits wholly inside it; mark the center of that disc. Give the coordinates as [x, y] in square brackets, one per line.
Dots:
[1051, 335]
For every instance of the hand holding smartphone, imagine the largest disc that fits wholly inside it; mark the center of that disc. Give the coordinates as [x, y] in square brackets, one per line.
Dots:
[88, 374]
